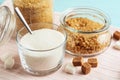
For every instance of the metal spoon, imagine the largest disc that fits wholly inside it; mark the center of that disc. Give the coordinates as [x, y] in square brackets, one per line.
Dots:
[22, 19]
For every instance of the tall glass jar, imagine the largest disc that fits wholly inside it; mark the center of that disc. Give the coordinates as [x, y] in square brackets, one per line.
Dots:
[34, 11]
[87, 29]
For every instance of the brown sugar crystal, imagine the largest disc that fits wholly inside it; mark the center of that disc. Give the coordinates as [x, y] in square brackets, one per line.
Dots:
[116, 35]
[86, 68]
[79, 43]
[93, 62]
[34, 11]
[84, 24]
[77, 61]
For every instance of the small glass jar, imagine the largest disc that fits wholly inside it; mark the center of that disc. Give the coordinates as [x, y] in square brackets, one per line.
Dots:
[7, 24]
[34, 11]
[43, 52]
[88, 31]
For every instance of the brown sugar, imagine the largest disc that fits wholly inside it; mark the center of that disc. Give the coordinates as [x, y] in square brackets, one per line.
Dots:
[116, 35]
[34, 11]
[77, 61]
[86, 68]
[80, 43]
[84, 24]
[93, 62]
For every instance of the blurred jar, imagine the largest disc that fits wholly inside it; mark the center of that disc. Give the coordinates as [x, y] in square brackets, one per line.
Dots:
[88, 31]
[7, 24]
[34, 11]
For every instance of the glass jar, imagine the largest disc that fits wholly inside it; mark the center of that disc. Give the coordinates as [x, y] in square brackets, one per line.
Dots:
[42, 52]
[87, 30]
[7, 24]
[34, 11]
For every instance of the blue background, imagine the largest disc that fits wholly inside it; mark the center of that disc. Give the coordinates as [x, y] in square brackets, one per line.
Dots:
[1, 1]
[110, 7]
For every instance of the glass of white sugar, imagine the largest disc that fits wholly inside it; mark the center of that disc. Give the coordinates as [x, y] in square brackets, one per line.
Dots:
[41, 52]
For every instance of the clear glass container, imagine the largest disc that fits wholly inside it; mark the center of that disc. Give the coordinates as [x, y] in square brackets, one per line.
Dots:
[41, 54]
[7, 24]
[87, 29]
[34, 11]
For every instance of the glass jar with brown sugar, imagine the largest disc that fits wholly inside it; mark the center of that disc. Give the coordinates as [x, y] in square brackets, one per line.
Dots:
[88, 31]
[34, 11]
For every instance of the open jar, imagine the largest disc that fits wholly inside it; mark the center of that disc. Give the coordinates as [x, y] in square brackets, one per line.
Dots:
[87, 30]
[42, 52]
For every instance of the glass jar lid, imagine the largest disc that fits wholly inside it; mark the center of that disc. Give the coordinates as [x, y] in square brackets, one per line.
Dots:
[7, 24]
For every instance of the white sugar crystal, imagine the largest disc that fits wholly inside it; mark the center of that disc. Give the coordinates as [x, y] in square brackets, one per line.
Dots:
[4, 57]
[69, 68]
[117, 45]
[9, 63]
[8, 60]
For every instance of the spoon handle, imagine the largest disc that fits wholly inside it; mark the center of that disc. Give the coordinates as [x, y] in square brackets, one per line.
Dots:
[22, 19]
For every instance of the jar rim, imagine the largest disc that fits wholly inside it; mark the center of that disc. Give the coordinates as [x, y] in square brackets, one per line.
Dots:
[76, 9]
